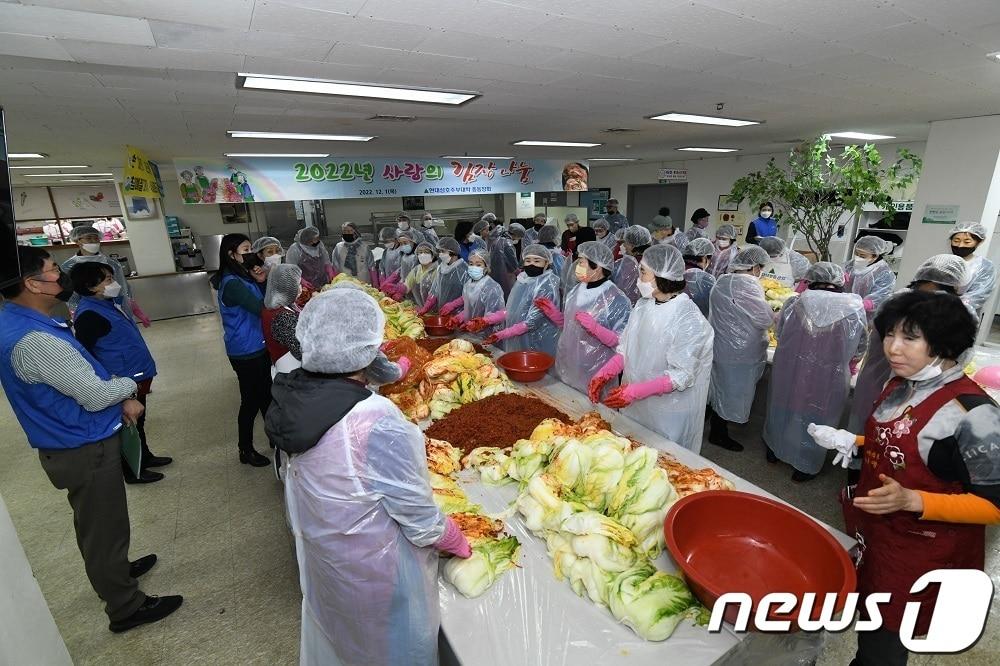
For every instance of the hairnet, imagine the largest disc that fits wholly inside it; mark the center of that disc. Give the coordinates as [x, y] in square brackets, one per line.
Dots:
[536, 250]
[620, 233]
[772, 245]
[946, 269]
[479, 227]
[265, 241]
[548, 234]
[424, 245]
[601, 223]
[450, 244]
[283, 283]
[597, 252]
[825, 271]
[350, 225]
[660, 222]
[488, 217]
[306, 235]
[874, 244]
[482, 254]
[700, 247]
[637, 236]
[386, 234]
[971, 228]
[408, 235]
[516, 230]
[402, 216]
[665, 261]
[79, 232]
[680, 241]
[749, 257]
[571, 217]
[340, 331]
[726, 231]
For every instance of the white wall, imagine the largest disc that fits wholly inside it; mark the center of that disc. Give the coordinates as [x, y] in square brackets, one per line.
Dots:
[28, 634]
[203, 219]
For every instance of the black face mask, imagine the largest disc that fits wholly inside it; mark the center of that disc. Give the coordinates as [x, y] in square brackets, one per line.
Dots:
[539, 225]
[533, 271]
[962, 251]
[65, 287]
[348, 238]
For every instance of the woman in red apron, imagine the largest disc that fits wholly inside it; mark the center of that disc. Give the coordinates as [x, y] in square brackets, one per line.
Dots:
[928, 485]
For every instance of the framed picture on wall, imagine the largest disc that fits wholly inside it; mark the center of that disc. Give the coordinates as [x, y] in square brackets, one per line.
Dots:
[138, 208]
[725, 204]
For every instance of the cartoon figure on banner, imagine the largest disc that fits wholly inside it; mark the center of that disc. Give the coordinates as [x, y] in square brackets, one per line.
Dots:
[200, 177]
[239, 181]
[190, 192]
[574, 177]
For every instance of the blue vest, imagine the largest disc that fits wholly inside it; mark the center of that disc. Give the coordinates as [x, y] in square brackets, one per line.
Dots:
[767, 227]
[244, 334]
[122, 352]
[50, 419]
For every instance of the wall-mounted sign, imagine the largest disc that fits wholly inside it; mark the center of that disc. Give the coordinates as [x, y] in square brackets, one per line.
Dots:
[672, 175]
[211, 180]
[550, 199]
[903, 206]
[940, 214]
[32, 203]
[142, 177]
[87, 201]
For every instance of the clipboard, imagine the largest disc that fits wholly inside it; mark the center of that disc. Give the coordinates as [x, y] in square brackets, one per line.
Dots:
[132, 449]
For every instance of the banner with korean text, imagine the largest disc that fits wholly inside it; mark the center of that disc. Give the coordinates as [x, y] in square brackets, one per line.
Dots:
[142, 178]
[204, 180]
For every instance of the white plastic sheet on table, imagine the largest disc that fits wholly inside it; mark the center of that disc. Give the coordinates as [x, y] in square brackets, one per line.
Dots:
[530, 618]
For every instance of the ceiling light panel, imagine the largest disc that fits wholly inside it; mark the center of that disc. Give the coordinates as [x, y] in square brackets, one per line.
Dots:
[86, 180]
[52, 166]
[861, 136]
[353, 89]
[676, 117]
[612, 159]
[698, 149]
[277, 154]
[61, 175]
[240, 134]
[477, 157]
[26, 156]
[561, 144]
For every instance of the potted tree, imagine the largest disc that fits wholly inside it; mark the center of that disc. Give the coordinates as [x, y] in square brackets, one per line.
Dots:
[814, 192]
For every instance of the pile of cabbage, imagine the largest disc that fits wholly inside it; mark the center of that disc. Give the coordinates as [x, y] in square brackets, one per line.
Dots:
[599, 501]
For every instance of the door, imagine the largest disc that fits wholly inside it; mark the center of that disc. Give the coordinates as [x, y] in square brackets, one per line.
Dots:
[645, 201]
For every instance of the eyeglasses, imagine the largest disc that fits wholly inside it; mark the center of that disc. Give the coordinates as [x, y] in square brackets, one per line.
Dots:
[55, 268]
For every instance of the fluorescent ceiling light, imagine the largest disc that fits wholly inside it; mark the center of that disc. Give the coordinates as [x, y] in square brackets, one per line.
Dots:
[994, 56]
[696, 149]
[673, 116]
[353, 89]
[53, 166]
[277, 154]
[26, 156]
[477, 157]
[564, 144]
[612, 159]
[240, 134]
[87, 180]
[60, 175]
[862, 136]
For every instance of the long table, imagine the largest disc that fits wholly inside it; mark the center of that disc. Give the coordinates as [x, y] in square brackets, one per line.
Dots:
[530, 618]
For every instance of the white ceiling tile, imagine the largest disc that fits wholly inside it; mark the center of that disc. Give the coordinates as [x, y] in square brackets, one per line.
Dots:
[440, 14]
[235, 13]
[761, 71]
[953, 15]
[490, 49]
[291, 19]
[273, 44]
[566, 33]
[68, 24]
[30, 76]
[986, 36]
[918, 45]
[822, 19]
[153, 57]
[387, 34]
[28, 46]
[310, 69]
[683, 55]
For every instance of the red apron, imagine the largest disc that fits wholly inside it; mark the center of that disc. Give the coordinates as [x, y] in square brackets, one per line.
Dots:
[897, 548]
[274, 348]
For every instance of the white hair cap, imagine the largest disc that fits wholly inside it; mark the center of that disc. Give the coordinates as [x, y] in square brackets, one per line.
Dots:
[665, 261]
[340, 331]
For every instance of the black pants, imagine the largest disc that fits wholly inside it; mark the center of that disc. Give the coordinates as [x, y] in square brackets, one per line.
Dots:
[880, 648]
[254, 376]
[92, 476]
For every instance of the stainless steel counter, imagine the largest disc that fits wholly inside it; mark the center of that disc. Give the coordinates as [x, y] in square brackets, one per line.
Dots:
[173, 294]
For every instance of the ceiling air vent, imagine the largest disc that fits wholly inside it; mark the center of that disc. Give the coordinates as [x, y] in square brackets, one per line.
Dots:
[619, 130]
[393, 119]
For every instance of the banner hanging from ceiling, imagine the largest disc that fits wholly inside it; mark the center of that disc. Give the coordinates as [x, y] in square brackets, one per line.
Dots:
[142, 177]
[204, 180]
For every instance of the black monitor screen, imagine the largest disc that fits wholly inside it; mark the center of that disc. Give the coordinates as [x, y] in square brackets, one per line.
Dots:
[10, 271]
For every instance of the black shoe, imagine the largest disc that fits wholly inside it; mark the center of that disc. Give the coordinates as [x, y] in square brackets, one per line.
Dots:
[802, 477]
[152, 610]
[157, 461]
[727, 443]
[141, 565]
[252, 458]
[145, 477]
[771, 458]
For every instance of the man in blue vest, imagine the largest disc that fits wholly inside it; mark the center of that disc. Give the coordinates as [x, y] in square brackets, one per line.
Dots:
[72, 410]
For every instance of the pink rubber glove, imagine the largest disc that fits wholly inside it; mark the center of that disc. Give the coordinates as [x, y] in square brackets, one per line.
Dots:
[457, 321]
[373, 276]
[451, 306]
[853, 365]
[388, 289]
[605, 336]
[307, 285]
[331, 273]
[453, 541]
[428, 305]
[611, 369]
[801, 286]
[140, 315]
[550, 310]
[626, 394]
[520, 328]
[869, 305]
[392, 279]
[404, 365]
[494, 318]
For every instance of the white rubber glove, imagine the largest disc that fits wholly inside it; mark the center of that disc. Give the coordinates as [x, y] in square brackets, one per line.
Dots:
[841, 441]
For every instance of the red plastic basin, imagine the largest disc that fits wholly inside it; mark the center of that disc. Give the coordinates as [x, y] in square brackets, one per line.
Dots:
[526, 366]
[437, 325]
[730, 541]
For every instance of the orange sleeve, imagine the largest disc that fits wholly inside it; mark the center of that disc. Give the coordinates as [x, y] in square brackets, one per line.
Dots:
[859, 441]
[961, 508]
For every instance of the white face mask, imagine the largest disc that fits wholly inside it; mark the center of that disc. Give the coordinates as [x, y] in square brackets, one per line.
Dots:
[424, 259]
[723, 243]
[929, 371]
[444, 257]
[765, 214]
[113, 290]
[406, 249]
[428, 223]
[646, 289]
[272, 261]
[860, 264]
[403, 225]
[91, 248]
[476, 272]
